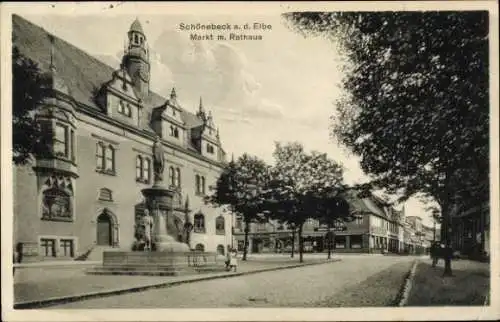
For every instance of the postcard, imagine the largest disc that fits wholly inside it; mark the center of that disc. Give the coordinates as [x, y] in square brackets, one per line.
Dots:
[250, 161]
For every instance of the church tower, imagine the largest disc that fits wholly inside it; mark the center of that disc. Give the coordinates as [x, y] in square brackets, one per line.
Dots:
[136, 59]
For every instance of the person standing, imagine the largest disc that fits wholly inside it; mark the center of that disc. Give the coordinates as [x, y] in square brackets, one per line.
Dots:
[434, 254]
[233, 261]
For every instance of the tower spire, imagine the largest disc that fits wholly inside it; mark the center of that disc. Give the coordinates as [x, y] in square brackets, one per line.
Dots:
[173, 94]
[200, 107]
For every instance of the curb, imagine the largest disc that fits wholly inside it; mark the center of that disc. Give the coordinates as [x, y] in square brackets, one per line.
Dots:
[98, 294]
[404, 293]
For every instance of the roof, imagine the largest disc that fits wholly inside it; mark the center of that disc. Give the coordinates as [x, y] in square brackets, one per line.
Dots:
[81, 72]
[136, 26]
[363, 205]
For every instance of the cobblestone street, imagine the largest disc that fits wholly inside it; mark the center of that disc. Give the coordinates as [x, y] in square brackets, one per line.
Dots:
[328, 285]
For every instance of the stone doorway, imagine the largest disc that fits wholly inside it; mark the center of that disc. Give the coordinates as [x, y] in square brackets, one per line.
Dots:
[104, 230]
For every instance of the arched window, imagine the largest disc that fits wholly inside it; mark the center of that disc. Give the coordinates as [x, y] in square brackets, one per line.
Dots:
[176, 132]
[136, 39]
[199, 223]
[199, 247]
[56, 204]
[220, 225]
[138, 167]
[171, 175]
[220, 249]
[100, 156]
[110, 159]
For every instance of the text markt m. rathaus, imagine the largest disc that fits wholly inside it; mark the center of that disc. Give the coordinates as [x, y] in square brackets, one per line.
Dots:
[232, 36]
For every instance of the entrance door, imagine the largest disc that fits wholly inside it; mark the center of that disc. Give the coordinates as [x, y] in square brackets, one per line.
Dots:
[103, 230]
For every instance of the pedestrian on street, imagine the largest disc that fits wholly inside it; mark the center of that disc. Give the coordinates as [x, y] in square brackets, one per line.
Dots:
[232, 260]
[434, 254]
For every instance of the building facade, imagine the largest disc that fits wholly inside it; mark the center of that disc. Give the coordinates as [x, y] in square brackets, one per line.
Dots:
[470, 233]
[86, 196]
[378, 228]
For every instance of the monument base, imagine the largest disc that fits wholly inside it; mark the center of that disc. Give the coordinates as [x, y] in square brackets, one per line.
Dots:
[166, 243]
[158, 263]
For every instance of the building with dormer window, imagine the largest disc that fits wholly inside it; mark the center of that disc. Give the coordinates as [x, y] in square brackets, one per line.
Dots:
[85, 198]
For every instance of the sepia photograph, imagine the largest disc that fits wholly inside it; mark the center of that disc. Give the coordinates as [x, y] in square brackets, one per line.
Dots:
[164, 156]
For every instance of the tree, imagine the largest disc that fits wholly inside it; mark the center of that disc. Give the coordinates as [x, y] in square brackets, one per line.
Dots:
[28, 91]
[240, 187]
[332, 209]
[297, 181]
[416, 103]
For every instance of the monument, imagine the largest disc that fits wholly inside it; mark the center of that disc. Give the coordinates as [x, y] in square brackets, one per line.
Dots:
[163, 229]
[159, 202]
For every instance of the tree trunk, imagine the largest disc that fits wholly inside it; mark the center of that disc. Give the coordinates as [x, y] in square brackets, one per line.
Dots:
[293, 242]
[245, 248]
[446, 238]
[329, 241]
[301, 245]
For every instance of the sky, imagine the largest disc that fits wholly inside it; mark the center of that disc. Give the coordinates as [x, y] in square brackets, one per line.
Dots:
[281, 88]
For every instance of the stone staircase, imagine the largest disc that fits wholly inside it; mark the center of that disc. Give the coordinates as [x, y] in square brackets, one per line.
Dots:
[95, 254]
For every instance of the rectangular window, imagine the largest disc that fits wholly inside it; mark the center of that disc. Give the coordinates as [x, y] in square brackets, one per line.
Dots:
[356, 241]
[67, 249]
[100, 156]
[239, 223]
[60, 140]
[138, 168]
[72, 145]
[203, 185]
[340, 241]
[48, 247]
[146, 174]
[178, 177]
[110, 158]
[198, 182]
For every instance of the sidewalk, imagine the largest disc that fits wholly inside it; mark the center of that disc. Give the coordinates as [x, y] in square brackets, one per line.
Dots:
[51, 285]
[469, 285]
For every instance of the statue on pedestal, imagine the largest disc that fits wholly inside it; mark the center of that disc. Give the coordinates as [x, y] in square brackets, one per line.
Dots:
[147, 223]
[158, 160]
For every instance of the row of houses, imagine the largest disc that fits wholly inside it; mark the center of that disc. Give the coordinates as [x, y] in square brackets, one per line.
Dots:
[378, 228]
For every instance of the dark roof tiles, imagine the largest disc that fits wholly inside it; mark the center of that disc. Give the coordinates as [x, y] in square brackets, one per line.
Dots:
[82, 73]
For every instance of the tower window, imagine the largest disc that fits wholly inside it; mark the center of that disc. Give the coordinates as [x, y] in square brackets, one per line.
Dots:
[174, 131]
[136, 39]
[210, 149]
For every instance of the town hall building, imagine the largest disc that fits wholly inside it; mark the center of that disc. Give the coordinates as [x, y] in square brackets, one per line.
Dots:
[84, 198]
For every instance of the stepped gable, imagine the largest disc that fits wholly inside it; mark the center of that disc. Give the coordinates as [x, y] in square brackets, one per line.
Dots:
[81, 72]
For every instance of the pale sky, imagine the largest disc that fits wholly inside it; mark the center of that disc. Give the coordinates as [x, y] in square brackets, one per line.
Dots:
[282, 88]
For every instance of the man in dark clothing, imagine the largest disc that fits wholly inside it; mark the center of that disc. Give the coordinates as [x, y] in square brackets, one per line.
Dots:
[435, 253]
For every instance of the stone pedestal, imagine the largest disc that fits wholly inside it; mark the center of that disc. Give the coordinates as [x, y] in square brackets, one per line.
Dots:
[159, 202]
